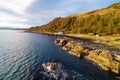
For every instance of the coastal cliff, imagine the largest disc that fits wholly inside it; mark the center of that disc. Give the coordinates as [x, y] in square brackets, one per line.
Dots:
[106, 59]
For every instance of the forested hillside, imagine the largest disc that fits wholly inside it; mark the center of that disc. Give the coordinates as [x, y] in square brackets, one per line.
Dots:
[106, 20]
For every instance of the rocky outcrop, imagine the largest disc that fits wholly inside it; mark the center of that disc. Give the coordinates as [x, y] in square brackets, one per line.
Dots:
[74, 48]
[104, 58]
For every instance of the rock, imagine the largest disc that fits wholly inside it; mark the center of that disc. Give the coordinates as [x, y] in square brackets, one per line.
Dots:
[117, 57]
[52, 66]
[75, 48]
[104, 58]
[57, 71]
[61, 42]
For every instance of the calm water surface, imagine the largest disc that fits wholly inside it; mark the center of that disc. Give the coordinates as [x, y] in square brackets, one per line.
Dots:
[20, 52]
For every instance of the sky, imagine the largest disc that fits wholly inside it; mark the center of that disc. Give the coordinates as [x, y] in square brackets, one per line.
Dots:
[28, 13]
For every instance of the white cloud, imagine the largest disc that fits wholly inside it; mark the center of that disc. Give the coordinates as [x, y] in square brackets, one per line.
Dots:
[8, 20]
[5, 17]
[18, 6]
[14, 25]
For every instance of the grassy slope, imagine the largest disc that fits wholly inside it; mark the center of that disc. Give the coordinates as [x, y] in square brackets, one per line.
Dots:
[109, 40]
[105, 20]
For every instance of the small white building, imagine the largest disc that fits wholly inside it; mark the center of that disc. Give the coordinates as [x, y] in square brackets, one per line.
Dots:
[60, 33]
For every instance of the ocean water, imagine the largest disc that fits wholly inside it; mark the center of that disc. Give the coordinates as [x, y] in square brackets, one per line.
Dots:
[22, 54]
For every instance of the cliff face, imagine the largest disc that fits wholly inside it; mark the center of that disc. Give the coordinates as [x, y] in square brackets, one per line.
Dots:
[105, 20]
[104, 58]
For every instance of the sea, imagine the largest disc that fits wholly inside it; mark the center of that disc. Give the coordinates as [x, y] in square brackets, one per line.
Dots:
[22, 55]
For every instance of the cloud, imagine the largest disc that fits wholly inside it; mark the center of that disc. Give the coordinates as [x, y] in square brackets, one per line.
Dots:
[12, 13]
[9, 20]
[5, 17]
[18, 6]
[14, 25]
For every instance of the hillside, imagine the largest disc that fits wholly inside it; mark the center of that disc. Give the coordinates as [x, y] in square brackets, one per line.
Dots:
[106, 20]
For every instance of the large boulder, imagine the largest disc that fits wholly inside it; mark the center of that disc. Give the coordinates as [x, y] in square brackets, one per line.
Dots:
[61, 42]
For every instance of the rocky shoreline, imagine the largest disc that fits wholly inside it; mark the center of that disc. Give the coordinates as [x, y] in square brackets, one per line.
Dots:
[108, 60]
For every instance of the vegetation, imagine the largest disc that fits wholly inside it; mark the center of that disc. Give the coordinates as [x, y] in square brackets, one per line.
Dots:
[111, 42]
[105, 20]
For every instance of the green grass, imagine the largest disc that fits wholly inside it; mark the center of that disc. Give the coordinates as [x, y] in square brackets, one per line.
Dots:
[112, 41]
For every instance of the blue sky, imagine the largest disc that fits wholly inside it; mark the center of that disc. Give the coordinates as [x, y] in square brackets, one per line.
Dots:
[27, 13]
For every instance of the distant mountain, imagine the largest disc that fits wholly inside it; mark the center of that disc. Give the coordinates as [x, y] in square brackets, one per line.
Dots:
[20, 28]
[9, 28]
[106, 20]
[5, 28]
